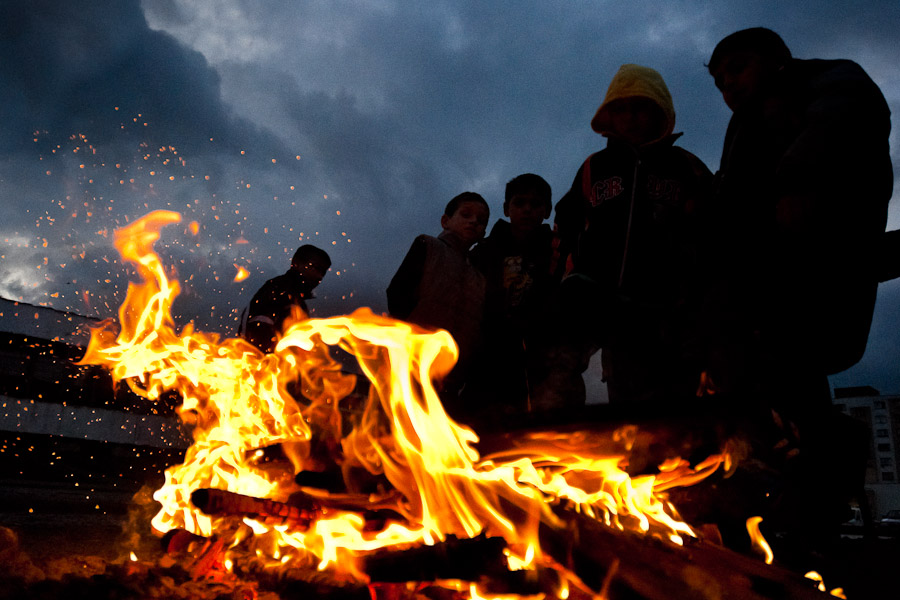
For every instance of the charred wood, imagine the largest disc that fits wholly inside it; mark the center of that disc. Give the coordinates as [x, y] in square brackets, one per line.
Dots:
[454, 558]
[628, 565]
[221, 502]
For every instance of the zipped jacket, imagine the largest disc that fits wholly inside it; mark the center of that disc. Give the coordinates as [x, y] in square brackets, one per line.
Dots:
[631, 218]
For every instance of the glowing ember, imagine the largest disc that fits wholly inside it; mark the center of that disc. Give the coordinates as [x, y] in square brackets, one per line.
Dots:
[435, 483]
[241, 274]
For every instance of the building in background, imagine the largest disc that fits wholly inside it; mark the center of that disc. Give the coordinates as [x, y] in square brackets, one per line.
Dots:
[881, 414]
[59, 419]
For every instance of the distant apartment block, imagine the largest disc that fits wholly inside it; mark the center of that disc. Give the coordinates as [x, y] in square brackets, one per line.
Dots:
[881, 414]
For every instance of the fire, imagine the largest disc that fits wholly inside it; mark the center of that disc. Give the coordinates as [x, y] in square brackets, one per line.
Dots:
[237, 401]
[814, 576]
[759, 542]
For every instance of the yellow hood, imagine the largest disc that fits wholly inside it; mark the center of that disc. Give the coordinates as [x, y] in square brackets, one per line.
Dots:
[635, 80]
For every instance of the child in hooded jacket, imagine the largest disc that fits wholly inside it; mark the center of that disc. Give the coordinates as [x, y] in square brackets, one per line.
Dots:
[629, 225]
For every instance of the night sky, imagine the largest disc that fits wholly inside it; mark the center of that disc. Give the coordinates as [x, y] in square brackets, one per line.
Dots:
[348, 125]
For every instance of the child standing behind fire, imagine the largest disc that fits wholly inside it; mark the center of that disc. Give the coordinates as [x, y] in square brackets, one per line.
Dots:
[517, 262]
[630, 223]
[437, 287]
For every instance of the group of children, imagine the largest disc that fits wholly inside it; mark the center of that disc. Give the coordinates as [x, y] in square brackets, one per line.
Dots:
[488, 297]
[529, 305]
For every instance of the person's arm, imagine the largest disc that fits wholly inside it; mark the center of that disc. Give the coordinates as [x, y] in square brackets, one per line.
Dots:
[569, 221]
[402, 293]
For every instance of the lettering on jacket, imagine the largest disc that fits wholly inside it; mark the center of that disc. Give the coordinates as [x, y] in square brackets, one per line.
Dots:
[606, 189]
[658, 190]
[663, 190]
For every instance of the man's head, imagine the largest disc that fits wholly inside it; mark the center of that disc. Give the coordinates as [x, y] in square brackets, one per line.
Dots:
[637, 108]
[527, 201]
[745, 63]
[466, 216]
[312, 263]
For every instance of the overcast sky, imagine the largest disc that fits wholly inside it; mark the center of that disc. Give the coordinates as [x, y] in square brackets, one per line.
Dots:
[344, 124]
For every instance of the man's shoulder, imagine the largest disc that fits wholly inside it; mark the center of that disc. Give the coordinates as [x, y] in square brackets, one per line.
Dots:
[833, 73]
[818, 66]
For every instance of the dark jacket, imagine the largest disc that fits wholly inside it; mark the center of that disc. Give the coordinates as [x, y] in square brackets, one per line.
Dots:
[801, 203]
[272, 305]
[518, 275]
[519, 290]
[630, 219]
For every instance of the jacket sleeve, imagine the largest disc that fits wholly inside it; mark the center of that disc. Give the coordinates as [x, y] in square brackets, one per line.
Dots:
[403, 291]
[570, 217]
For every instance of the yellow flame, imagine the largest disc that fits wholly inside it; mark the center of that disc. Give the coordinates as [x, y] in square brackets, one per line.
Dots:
[818, 579]
[237, 401]
[814, 575]
[759, 542]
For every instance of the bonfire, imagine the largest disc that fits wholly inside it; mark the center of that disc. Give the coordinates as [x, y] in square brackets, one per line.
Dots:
[414, 502]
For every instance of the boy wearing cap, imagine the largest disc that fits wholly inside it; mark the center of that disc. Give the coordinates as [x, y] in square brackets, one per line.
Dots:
[629, 225]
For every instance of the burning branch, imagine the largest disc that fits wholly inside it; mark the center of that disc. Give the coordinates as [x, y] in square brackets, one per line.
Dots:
[270, 512]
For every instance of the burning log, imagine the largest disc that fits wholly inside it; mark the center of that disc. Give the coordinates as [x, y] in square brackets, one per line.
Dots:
[627, 565]
[301, 509]
[221, 502]
[480, 559]
[454, 558]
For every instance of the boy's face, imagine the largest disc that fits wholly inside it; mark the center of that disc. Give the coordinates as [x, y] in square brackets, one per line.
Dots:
[741, 77]
[468, 222]
[526, 211]
[636, 120]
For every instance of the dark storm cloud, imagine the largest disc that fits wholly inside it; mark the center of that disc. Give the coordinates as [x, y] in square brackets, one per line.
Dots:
[69, 65]
[104, 120]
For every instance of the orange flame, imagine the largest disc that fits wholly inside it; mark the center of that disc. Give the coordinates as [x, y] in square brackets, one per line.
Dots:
[820, 585]
[759, 542]
[237, 401]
